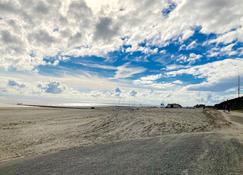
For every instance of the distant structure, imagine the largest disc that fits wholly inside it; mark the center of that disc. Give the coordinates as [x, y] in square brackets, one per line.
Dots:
[200, 106]
[173, 105]
[238, 85]
[162, 105]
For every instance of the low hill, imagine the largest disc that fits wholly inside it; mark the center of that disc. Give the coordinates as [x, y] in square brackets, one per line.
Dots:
[235, 104]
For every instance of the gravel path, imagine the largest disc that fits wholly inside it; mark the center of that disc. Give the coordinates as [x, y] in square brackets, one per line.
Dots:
[237, 117]
[199, 154]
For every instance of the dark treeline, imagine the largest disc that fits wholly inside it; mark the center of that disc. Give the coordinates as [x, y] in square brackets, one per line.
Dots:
[234, 104]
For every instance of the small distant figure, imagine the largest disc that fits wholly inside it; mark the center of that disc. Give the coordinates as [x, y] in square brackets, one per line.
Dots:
[228, 107]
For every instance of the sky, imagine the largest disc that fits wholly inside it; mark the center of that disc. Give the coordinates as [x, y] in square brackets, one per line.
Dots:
[112, 51]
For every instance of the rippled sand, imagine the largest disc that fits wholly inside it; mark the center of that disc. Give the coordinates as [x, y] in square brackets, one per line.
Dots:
[33, 131]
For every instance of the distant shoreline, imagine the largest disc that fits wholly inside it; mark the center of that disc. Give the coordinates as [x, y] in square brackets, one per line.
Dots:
[50, 106]
[78, 107]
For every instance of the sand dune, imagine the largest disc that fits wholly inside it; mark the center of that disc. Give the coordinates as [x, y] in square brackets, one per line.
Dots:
[33, 131]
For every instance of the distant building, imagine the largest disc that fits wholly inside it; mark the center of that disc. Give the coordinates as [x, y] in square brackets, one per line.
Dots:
[162, 105]
[200, 106]
[173, 105]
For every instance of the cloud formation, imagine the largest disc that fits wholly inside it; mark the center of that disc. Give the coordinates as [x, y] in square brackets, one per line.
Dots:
[81, 27]
[160, 49]
[215, 75]
[126, 71]
[14, 84]
[52, 87]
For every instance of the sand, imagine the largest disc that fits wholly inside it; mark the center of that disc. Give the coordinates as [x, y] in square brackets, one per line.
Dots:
[34, 131]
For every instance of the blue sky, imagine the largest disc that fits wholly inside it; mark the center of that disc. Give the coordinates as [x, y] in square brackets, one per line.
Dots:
[149, 51]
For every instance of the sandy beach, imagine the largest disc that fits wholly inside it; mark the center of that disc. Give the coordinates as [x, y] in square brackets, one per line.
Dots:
[120, 140]
[34, 131]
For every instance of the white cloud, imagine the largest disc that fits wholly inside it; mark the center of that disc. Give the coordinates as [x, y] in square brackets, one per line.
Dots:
[52, 87]
[126, 71]
[80, 89]
[225, 50]
[187, 34]
[177, 82]
[230, 36]
[133, 93]
[151, 77]
[96, 27]
[215, 75]
[117, 92]
[176, 67]
[150, 81]
[213, 70]
[15, 84]
[191, 45]
[192, 58]
[99, 66]
[148, 51]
